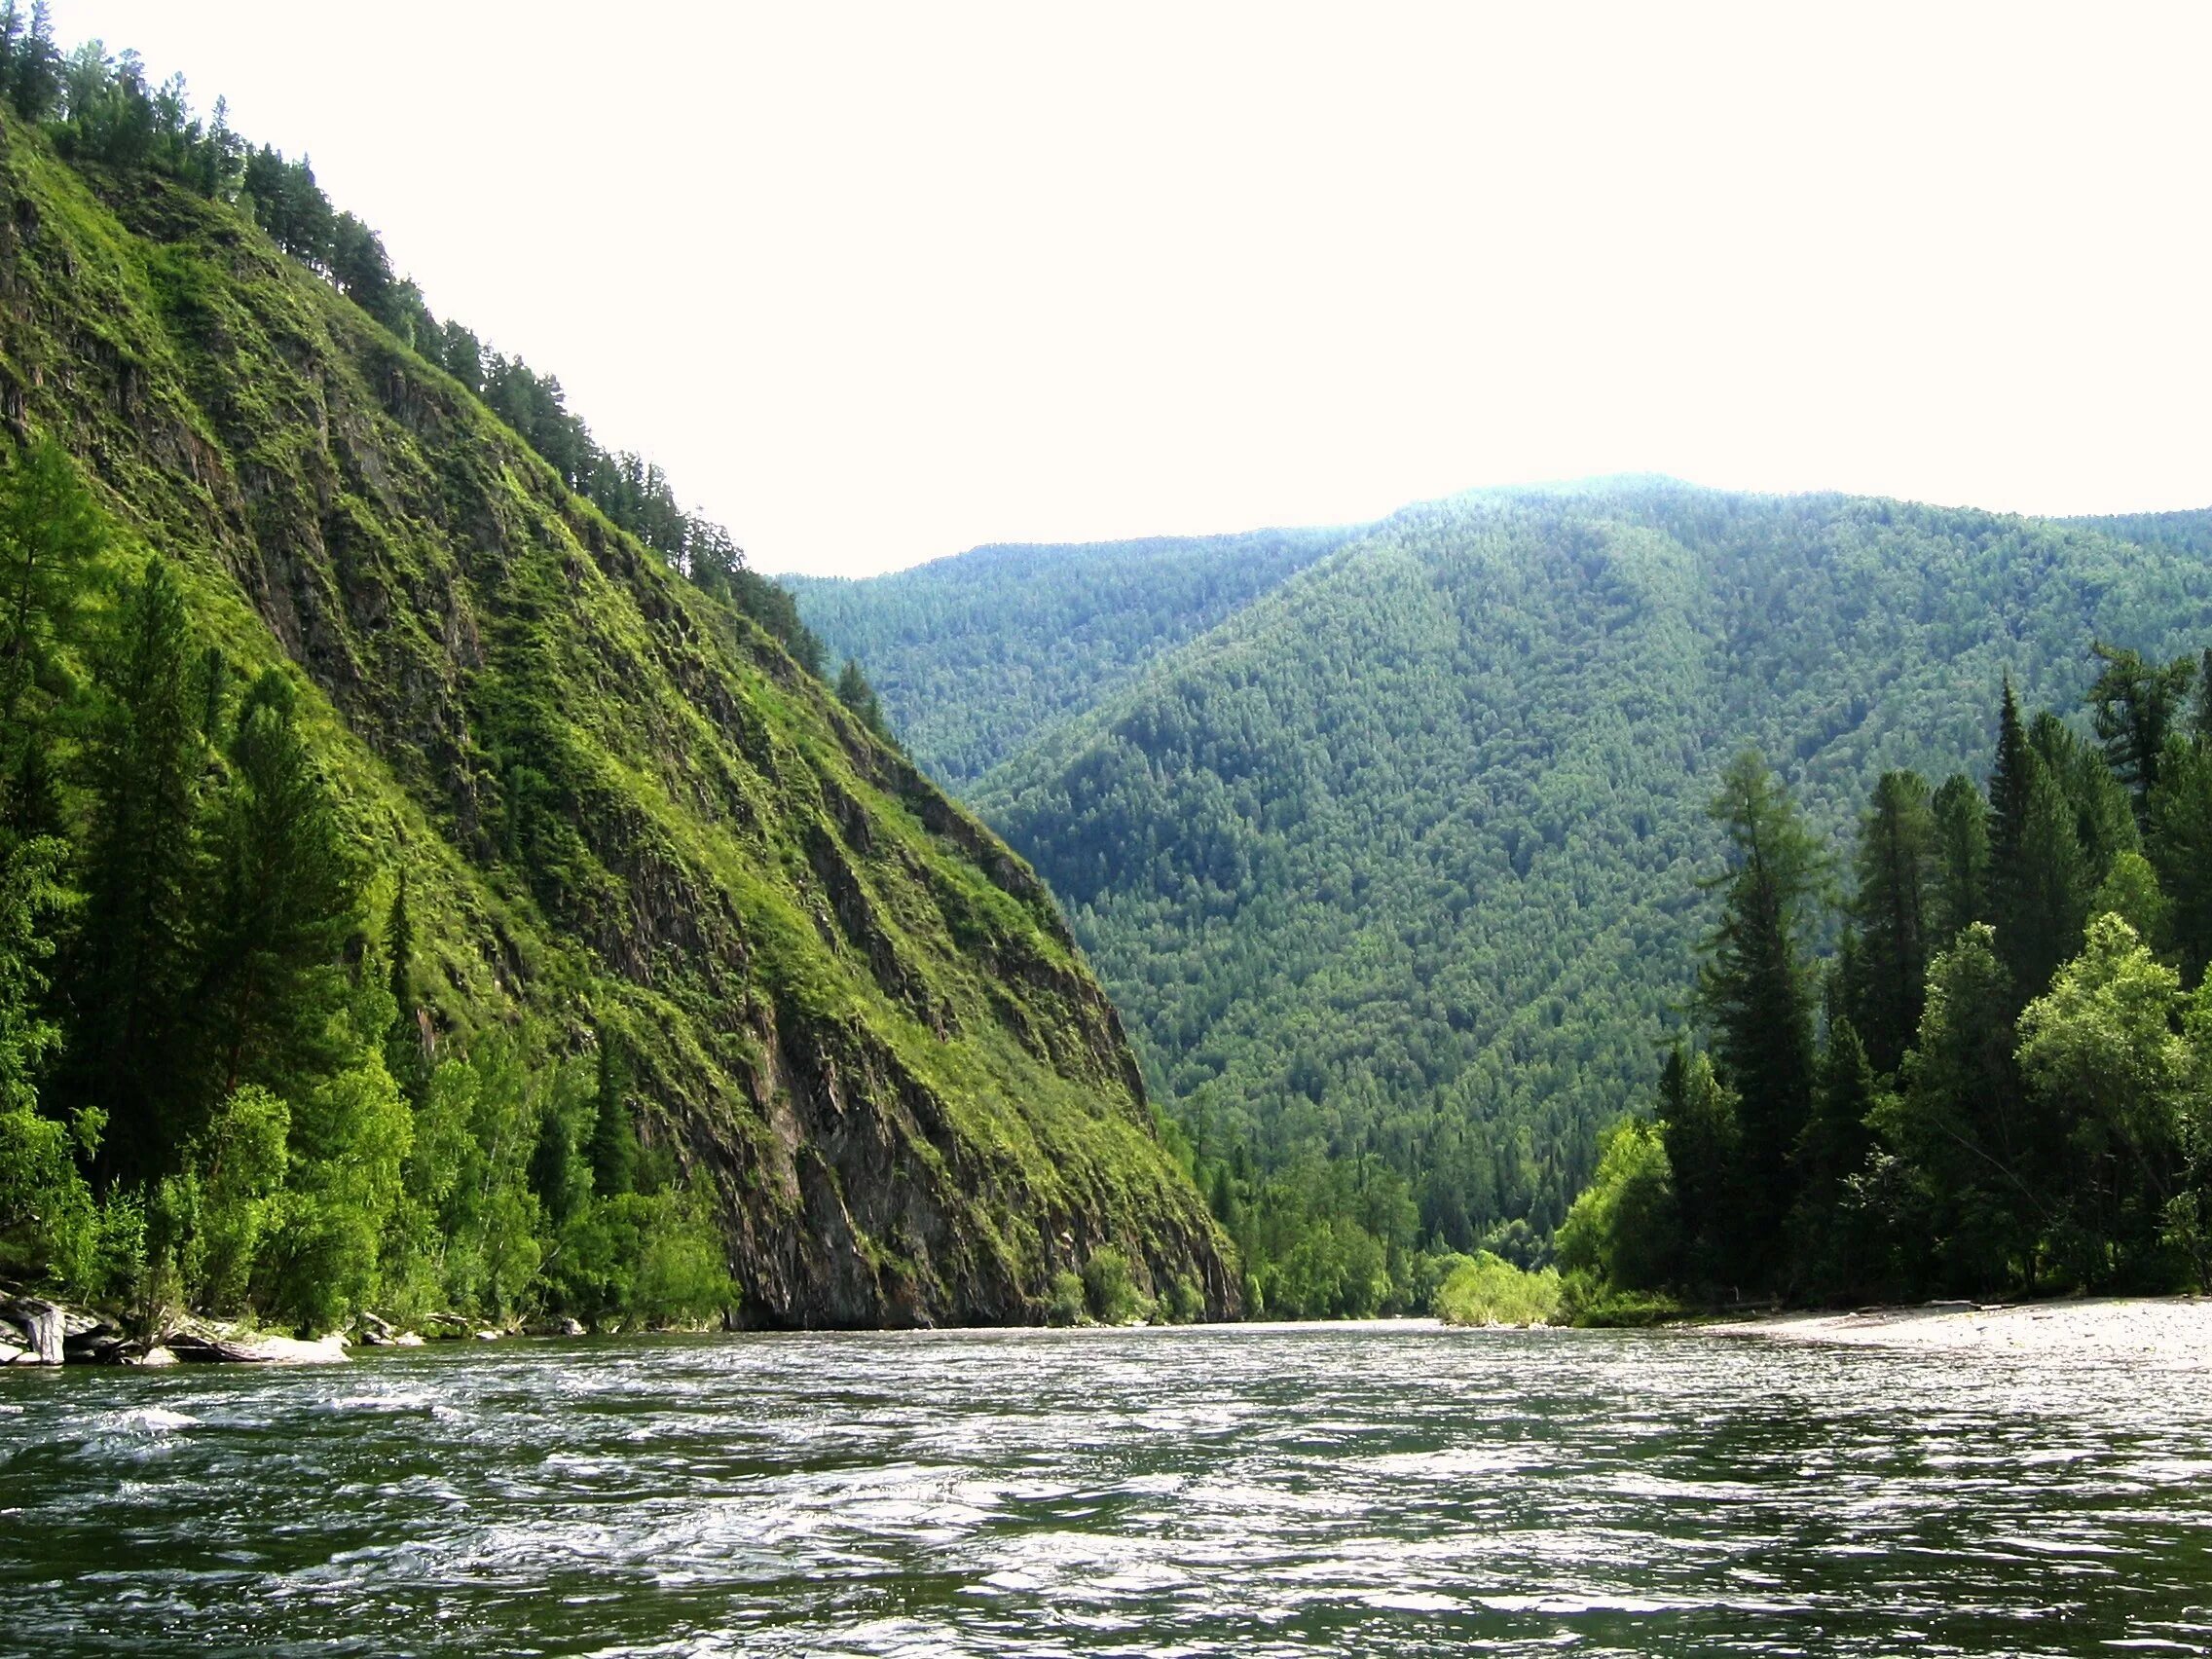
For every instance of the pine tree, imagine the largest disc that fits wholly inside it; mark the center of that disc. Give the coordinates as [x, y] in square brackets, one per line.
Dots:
[1963, 1121]
[2008, 798]
[857, 696]
[1834, 1146]
[49, 531]
[282, 894]
[2049, 889]
[612, 1149]
[2134, 709]
[1896, 867]
[1702, 1139]
[2179, 849]
[1960, 894]
[1754, 990]
[128, 964]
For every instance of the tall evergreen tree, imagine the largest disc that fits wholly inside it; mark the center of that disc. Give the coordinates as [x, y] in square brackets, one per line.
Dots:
[2179, 845]
[1962, 849]
[1699, 1127]
[2135, 706]
[2008, 801]
[1755, 992]
[1896, 867]
[1833, 1148]
[2049, 889]
[49, 531]
[1963, 1121]
[282, 895]
[613, 1145]
[129, 961]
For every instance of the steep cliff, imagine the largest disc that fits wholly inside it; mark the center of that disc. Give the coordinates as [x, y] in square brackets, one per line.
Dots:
[856, 1016]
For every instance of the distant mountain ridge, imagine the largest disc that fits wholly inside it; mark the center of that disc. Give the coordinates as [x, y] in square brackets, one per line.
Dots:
[975, 654]
[1403, 854]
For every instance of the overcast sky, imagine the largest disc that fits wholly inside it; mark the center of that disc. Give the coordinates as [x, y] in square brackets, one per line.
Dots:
[876, 283]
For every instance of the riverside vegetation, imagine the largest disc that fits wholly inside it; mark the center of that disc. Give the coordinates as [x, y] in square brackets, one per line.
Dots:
[433, 875]
[1395, 871]
[2001, 1079]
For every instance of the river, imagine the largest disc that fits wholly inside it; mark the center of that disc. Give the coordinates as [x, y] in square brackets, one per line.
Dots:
[1389, 1489]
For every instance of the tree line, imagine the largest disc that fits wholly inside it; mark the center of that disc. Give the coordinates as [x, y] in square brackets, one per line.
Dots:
[102, 108]
[1986, 1069]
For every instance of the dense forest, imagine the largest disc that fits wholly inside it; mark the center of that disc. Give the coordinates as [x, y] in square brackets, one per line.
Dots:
[432, 876]
[1394, 874]
[973, 655]
[1999, 1081]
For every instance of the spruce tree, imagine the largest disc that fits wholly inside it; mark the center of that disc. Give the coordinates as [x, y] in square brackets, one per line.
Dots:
[1960, 894]
[128, 964]
[2048, 890]
[2134, 706]
[1699, 1129]
[49, 531]
[1834, 1146]
[2179, 845]
[282, 899]
[1754, 991]
[612, 1149]
[1896, 867]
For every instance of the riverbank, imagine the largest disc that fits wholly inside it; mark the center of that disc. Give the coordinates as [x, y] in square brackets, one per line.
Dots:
[2157, 1330]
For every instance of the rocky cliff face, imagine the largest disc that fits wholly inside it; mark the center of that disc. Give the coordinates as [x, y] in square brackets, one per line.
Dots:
[854, 1012]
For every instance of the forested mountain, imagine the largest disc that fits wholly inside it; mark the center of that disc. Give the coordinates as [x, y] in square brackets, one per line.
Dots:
[1402, 863]
[975, 654]
[415, 891]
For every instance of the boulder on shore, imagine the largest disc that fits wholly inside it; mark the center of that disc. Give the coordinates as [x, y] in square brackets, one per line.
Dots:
[45, 1324]
[202, 1348]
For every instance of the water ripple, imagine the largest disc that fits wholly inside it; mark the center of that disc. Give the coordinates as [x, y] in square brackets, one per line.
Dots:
[1391, 1489]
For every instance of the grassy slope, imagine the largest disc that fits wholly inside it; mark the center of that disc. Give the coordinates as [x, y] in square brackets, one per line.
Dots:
[975, 654]
[1404, 856]
[857, 1015]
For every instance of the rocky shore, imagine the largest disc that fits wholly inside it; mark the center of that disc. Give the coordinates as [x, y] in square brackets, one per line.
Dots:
[2145, 1330]
[36, 1331]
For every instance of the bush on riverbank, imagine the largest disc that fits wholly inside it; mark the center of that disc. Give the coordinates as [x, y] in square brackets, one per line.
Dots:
[1484, 1290]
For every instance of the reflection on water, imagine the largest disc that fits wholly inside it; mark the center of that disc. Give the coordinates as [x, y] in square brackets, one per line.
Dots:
[1384, 1490]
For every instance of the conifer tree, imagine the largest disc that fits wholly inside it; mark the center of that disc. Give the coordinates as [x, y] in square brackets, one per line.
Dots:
[2134, 706]
[49, 531]
[1960, 894]
[857, 696]
[128, 962]
[2179, 845]
[1834, 1146]
[1754, 990]
[283, 898]
[1699, 1129]
[1896, 867]
[1963, 1121]
[613, 1145]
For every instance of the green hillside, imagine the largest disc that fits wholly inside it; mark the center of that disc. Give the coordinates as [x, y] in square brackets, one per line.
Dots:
[1404, 858]
[642, 851]
[973, 655]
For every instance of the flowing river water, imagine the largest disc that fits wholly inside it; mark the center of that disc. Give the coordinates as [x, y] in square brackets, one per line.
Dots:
[1389, 1489]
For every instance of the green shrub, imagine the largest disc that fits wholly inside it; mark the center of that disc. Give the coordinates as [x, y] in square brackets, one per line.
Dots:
[49, 1224]
[1485, 1290]
[1064, 1304]
[1108, 1290]
[1184, 1303]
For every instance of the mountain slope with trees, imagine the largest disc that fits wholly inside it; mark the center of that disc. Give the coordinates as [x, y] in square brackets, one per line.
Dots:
[976, 654]
[433, 876]
[1400, 866]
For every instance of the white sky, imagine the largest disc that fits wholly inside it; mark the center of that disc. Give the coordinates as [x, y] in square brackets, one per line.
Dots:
[875, 283]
